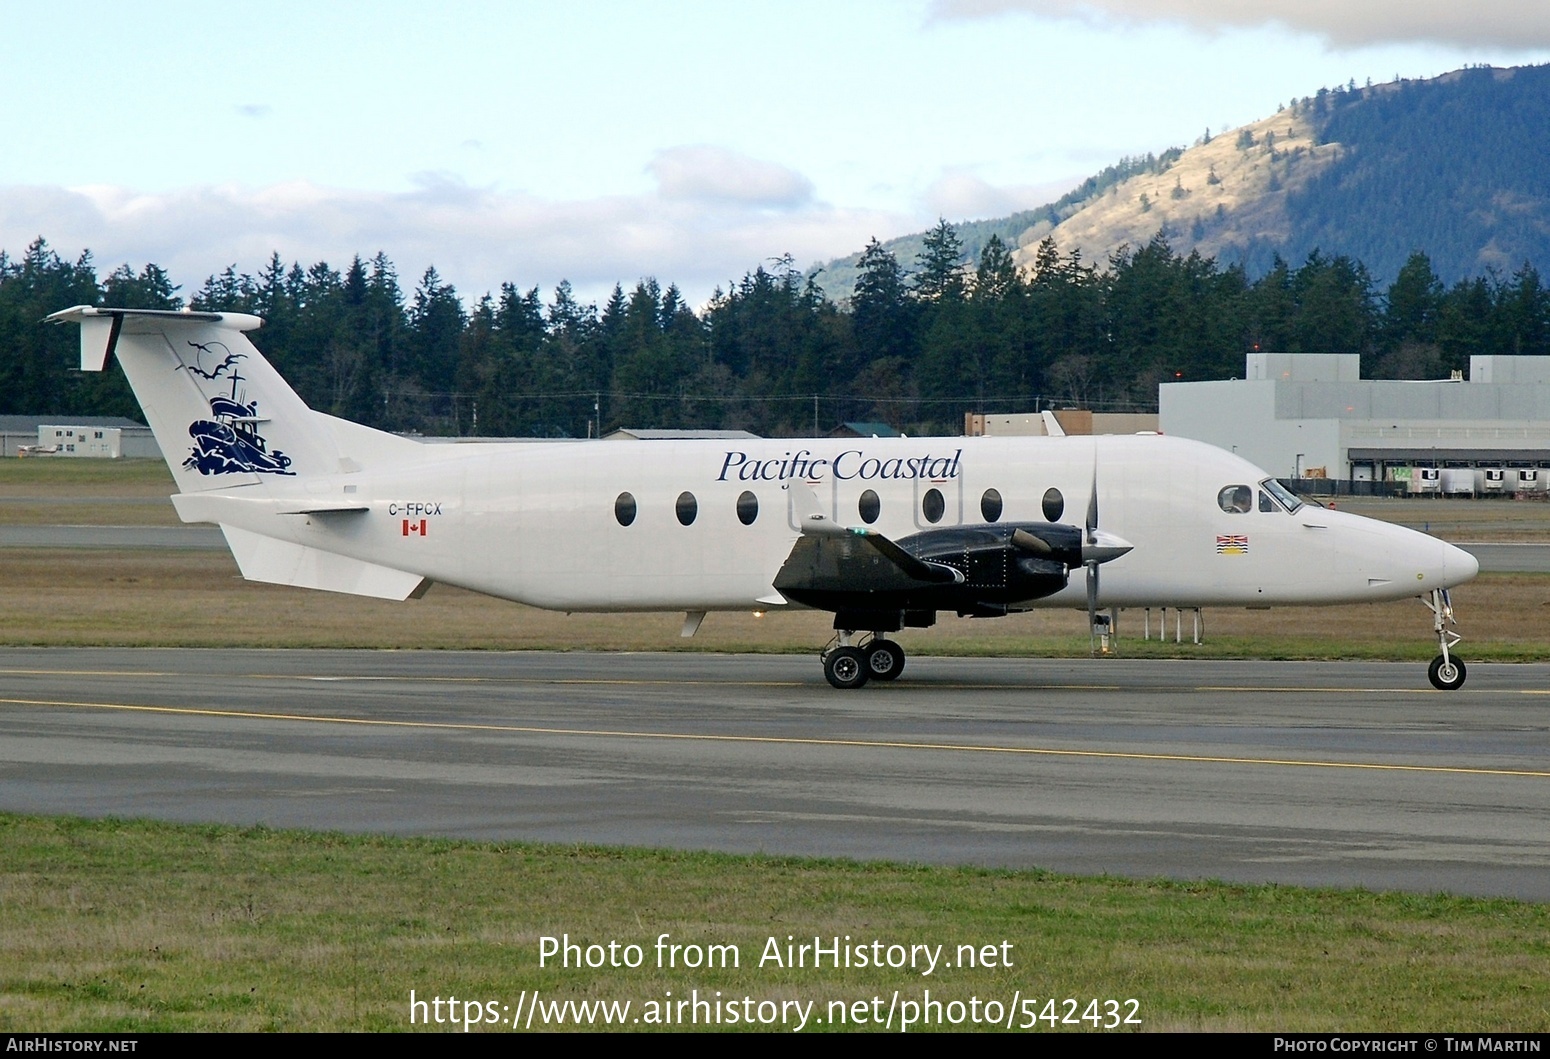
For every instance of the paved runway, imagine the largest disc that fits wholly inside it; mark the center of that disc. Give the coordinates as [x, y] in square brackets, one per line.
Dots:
[1511, 558]
[198, 537]
[1313, 773]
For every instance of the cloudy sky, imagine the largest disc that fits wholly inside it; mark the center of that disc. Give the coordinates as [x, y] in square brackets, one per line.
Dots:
[608, 141]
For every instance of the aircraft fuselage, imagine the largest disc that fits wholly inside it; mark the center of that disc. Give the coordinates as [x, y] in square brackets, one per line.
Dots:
[539, 523]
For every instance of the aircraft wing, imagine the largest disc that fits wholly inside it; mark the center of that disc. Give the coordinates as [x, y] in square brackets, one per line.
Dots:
[827, 559]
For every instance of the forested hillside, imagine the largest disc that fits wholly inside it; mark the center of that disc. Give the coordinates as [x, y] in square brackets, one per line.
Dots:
[1454, 166]
[917, 344]
[1458, 166]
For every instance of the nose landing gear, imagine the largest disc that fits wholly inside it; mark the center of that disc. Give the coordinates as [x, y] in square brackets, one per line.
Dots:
[1446, 672]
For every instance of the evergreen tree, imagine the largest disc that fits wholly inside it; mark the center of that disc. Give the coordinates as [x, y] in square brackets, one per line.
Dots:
[879, 310]
[434, 338]
[150, 288]
[1522, 310]
[939, 268]
[1413, 301]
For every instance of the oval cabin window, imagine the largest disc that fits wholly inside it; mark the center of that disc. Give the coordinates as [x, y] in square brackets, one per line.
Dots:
[687, 507]
[747, 508]
[990, 505]
[869, 507]
[1054, 505]
[932, 505]
[624, 509]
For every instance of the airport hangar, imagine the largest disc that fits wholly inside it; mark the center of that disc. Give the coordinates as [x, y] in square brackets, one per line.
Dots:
[1311, 416]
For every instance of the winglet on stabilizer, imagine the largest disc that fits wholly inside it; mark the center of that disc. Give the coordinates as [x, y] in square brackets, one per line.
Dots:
[101, 328]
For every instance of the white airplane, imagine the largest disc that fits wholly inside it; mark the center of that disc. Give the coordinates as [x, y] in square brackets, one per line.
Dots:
[885, 533]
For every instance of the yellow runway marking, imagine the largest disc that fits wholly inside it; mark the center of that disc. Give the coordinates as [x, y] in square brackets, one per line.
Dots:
[877, 744]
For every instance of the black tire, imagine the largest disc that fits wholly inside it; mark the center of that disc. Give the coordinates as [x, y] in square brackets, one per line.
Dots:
[846, 667]
[1449, 677]
[885, 659]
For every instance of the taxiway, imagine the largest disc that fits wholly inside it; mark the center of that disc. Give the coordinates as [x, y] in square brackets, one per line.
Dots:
[1306, 773]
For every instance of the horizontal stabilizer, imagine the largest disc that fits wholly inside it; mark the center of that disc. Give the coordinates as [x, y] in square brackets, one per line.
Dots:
[278, 562]
[240, 506]
[323, 508]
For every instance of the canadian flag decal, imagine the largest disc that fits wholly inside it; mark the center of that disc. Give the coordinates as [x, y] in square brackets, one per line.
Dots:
[411, 528]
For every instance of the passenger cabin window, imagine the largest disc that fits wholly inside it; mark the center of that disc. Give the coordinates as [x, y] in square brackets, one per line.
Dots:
[747, 508]
[990, 505]
[687, 507]
[1054, 505]
[624, 509]
[869, 507]
[1236, 499]
[932, 505]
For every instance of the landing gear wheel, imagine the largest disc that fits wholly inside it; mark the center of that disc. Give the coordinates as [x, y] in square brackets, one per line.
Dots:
[885, 659]
[1447, 674]
[846, 667]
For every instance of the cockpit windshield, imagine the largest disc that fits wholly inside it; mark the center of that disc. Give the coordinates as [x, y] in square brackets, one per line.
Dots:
[1286, 498]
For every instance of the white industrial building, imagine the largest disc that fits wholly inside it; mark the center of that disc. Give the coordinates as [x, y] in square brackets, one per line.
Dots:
[1311, 415]
[109, 437]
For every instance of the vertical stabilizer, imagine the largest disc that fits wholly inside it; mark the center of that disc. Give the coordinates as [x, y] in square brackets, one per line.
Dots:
[220, 412]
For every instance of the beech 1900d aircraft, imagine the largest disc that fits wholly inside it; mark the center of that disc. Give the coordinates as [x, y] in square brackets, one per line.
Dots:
[885, 533]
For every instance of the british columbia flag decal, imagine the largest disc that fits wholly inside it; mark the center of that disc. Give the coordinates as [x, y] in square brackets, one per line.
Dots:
[1232, 544]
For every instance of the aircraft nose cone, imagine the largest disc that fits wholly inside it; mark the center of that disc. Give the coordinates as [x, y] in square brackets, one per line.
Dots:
[1458, 566]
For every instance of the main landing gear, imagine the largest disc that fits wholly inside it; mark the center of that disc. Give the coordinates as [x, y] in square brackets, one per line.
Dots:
[848, 665]
[1447, 671]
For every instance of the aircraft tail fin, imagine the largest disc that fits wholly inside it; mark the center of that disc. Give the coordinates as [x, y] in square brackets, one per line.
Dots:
[220, 412]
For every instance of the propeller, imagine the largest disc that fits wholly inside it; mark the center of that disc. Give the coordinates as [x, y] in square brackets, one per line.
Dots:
[1090, 542]
[1098, 547]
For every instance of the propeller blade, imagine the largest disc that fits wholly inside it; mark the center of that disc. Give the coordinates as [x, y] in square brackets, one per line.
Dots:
[1090, 541]
[1092, 504]
[1092, 604]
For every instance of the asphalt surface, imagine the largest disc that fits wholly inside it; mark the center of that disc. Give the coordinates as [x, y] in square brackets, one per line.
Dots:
[1509, 558]
[118, 538]
[1306, 773]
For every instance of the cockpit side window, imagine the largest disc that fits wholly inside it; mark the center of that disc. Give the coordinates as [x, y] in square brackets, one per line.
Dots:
[1284, 496]
[1236, 499]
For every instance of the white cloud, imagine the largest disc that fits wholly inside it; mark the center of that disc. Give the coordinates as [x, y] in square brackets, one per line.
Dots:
[477, 237]
[707, 173]
[1510, 25]
[960, 195]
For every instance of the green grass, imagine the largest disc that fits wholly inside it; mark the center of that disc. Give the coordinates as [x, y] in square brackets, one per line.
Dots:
[45, 476]
[121, 926]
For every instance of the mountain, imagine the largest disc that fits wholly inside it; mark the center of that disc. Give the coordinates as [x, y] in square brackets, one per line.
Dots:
[1457, 167]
